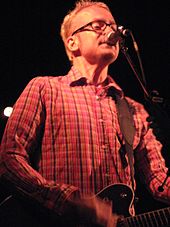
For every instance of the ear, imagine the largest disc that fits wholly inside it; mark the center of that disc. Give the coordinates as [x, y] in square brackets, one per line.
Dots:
[72, 43]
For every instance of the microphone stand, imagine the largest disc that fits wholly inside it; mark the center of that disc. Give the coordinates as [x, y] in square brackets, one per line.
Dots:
[124, 50]
[156, 106]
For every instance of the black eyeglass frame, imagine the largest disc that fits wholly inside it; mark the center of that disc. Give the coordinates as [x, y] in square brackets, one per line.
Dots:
[97, 30]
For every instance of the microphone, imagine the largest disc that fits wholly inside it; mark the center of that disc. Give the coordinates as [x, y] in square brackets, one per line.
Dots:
[113, 37]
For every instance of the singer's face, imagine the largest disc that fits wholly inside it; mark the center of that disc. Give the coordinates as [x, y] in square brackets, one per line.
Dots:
[92, 44]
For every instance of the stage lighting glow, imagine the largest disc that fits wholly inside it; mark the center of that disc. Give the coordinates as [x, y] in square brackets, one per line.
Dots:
[8, 111]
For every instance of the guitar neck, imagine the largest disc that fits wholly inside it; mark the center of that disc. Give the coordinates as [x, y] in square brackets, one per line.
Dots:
[151, 219]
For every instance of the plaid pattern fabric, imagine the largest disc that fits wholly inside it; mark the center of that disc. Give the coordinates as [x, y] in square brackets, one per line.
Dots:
[77, 126]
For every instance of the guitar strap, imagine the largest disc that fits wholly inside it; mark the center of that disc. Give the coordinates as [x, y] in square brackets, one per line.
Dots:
[128, 130]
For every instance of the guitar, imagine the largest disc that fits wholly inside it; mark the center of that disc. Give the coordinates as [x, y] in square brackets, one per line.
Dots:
[120, 195]
[122, 198]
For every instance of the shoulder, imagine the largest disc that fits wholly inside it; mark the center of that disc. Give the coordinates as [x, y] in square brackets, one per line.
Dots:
[44, 82]
[137, 107]
[41, 87]
[140, 115]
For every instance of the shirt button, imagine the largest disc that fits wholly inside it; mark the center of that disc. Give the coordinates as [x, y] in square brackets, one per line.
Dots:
[107, 174]
[101, 120]
[97, 97]
[104, 146]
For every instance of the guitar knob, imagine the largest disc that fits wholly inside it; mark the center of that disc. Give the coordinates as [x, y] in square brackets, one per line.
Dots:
[123, 195]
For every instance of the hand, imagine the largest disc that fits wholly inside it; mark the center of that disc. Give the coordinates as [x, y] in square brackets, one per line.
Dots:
[95, 211]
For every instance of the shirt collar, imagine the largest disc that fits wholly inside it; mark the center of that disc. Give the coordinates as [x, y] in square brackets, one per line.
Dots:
[77, 79]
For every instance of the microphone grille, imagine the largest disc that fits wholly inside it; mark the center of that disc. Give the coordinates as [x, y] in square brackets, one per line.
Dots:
[123, 31]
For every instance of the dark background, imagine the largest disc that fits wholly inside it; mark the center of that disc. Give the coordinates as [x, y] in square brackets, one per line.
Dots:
[30, 45]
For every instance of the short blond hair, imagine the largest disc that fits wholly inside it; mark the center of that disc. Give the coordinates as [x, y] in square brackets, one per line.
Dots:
[67, 21]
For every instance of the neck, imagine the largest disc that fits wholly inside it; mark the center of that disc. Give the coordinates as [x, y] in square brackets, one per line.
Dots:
[96, 74]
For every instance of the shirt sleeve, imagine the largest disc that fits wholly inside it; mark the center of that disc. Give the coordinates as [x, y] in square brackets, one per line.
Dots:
[19, 142]
[149, 160]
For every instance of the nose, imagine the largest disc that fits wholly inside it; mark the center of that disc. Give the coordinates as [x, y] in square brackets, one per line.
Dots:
[112, 27]
[109, 29]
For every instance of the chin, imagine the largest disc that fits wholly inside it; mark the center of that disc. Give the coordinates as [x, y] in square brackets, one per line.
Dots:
[110, 57]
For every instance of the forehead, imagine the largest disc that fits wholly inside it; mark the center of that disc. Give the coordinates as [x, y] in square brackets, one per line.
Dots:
[89, 14]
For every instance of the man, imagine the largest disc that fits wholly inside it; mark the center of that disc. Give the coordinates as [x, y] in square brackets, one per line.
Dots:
[63, 142]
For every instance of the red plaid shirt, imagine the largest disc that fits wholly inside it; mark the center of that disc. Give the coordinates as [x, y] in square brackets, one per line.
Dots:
[72, 128]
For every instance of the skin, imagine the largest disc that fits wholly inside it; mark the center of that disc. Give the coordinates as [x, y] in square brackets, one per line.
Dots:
[91, 54]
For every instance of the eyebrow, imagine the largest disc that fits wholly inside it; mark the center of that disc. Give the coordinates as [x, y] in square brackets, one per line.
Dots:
[104, 19]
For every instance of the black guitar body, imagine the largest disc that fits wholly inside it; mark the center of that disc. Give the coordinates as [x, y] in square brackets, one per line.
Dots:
[121, 196]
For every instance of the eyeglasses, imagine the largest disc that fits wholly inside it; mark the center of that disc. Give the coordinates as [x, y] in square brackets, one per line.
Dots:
[97, 25]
